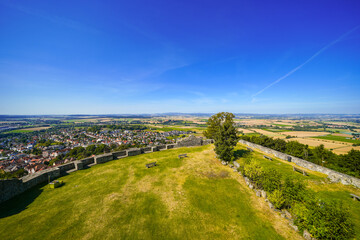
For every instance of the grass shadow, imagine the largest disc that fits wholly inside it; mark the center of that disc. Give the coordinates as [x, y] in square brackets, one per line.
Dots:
[241, 153]
[20, 202]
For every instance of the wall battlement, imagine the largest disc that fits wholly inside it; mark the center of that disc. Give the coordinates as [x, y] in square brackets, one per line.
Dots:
[9, 188]
[334, 176]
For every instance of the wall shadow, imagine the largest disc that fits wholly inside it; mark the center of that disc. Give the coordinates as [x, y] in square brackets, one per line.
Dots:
[20, 202]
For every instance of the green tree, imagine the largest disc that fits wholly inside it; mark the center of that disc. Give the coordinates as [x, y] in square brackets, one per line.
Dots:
[221, 128]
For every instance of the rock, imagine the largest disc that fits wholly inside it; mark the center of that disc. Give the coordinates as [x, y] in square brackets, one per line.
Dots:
[294, 227]
[251, 186]
[287, 214]
[258, 193]
[230, 165]
[236, 164]
[223, 163]
[307, 235]
[263, 194]
[271, 206]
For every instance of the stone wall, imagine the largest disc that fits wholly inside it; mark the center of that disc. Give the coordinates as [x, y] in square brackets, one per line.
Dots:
[87, 161]
[13, 187]
[66, 167]
[10, 188]
[119, 154]
[133, 152]
[161, 147]
[103, 158]
[145, 149]
[334, 176]
[190, 141]
[170, 146]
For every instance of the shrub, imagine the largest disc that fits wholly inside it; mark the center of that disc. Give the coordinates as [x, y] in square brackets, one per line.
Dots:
[324, 220]
[270, 180]
[277, 198]
[293, 191]
[254, 172]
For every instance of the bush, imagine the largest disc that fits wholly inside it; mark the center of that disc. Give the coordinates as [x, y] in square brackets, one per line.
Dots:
[254, 172]
[294, 191]
[277, 198]
[324, 220]
[270, 180]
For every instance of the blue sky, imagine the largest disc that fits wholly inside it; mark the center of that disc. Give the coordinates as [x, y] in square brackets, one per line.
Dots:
[113, 57]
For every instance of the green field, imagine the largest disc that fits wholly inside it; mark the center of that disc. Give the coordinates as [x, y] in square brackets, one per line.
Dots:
[19, 131]
[338, 138]
[275, 130]
[191, 198]
[315, 181]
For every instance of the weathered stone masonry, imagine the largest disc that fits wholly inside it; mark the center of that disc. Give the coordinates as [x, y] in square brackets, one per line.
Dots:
[12, 187]
[334, 176]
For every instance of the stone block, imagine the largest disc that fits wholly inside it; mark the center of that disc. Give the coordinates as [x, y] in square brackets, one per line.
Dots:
[236, 164]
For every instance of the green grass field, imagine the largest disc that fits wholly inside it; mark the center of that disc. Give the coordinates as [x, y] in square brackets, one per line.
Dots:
[338, 138]
[191, 198]
[275, 130]
[315, 181]
[19, 131]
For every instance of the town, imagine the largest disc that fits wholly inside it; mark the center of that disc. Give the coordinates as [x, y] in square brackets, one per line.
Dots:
[29, 152]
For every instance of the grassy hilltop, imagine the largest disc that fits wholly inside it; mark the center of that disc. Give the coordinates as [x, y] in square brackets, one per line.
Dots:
[191, 198]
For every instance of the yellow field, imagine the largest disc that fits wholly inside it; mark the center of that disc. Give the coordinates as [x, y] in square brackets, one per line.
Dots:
[316, 142]
[305, 134]
[245, 131]
[268, 133]
[344, 150]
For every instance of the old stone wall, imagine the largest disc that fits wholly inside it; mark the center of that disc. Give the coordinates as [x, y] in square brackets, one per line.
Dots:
[170, 146]
[145, 149]
[119, 154]
[103, 158]
[66, 167]
[334, 176]
[133, 152]
[161, 147]
[87, 161]
[10, 188]
[13, 187]
[190, 141]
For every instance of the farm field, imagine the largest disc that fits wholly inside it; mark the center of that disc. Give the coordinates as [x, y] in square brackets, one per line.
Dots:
[191, 198]
[304, 133]
[245, 131]
[27, 130]
[316, 181]
[316, 142]
[341, 138]
[268, 133]
[344, 150]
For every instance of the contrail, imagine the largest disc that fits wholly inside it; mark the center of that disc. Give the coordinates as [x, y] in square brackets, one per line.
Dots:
[307, 61]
